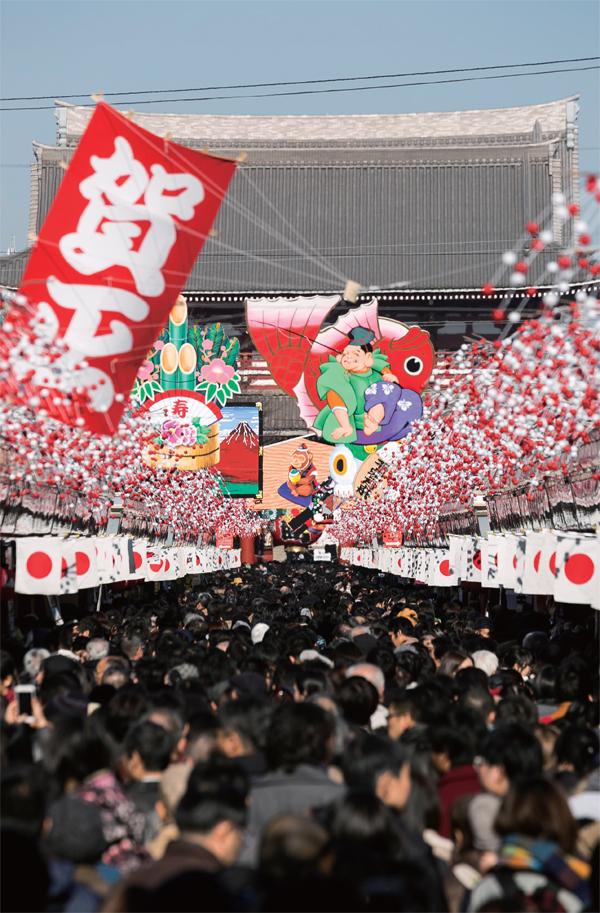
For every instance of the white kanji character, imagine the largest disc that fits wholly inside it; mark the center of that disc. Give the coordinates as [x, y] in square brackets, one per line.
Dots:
[89, 302]
[111, 221]
[121, 178]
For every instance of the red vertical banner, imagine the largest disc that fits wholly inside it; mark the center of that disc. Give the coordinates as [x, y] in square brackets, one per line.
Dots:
[129, 219]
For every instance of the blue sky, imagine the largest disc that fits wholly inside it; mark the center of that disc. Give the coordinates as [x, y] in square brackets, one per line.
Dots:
[58, 48]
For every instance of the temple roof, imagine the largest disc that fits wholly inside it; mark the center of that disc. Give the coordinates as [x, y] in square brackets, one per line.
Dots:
[242, 129]
[420, 201]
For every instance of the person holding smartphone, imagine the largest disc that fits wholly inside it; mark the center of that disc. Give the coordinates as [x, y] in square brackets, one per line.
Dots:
[26, 708]
[25, 695]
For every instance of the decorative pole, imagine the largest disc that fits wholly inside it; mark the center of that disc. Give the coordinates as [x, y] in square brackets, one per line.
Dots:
[169, 360]
[187, 367]
[177, 358]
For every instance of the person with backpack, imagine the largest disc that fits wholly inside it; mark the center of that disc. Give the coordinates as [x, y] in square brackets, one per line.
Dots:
[537, 869]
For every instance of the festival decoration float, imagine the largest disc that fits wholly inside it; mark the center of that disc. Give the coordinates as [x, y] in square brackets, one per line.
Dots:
[186, 385]
[187, 425]
[357, 382]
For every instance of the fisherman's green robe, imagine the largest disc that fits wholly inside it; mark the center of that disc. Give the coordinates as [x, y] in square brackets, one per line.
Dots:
[351, 389]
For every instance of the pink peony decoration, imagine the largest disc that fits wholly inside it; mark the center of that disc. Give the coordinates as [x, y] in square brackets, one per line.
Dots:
[146, 370]
[217, 372]
[178, 434]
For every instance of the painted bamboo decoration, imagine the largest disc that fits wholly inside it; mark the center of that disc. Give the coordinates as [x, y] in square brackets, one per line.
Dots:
[178, 331]
[187, 367]
[193, 360]
[178, 322]
[177, 371]
[169, 366]
[232, 350]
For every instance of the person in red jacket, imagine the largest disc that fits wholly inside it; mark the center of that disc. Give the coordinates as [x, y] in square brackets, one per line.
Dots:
[452, 755]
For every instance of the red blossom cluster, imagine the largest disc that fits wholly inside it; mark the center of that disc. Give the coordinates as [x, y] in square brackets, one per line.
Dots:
[40, 452]
[510, 413]
[88, 471]
[501, 413]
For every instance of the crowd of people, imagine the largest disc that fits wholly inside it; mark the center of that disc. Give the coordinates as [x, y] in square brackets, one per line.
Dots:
[301, 737]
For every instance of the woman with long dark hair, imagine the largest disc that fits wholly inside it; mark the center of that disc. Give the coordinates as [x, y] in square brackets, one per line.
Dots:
[537, 867]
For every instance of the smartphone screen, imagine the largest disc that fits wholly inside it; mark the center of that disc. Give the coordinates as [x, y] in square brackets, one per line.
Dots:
[25, 705]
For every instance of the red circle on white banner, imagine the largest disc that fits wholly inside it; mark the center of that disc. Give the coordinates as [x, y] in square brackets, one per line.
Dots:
[552, 564]
[39, 564]
[536, 561]
[137, 560]
[155, 566]
[82, 563]
[445, 568]
[579, 568]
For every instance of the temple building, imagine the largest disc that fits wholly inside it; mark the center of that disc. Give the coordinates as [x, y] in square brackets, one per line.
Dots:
[417, 208]
[395, 200]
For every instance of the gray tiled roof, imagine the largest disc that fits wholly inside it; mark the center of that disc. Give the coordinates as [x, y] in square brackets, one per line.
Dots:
[417, 200]
[443, 221]
[240, 129]
[281, 416]
[11, 268]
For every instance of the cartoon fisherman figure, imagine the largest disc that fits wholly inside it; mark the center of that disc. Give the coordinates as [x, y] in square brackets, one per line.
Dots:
[302, 477]
[365, 403]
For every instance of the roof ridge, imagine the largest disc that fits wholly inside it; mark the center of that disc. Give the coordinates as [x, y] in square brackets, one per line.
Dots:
[557, 101]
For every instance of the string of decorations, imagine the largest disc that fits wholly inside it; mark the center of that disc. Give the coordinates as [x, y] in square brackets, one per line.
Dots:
[503, 413]
[38, 453]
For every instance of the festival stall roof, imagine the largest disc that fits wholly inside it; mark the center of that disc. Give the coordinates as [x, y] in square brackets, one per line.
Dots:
[417, 200]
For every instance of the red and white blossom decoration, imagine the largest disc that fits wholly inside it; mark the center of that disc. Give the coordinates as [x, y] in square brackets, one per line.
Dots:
[40, 452]
[505, 412]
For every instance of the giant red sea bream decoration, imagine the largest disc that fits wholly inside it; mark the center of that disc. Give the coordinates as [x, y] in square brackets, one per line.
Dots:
[312, 362]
